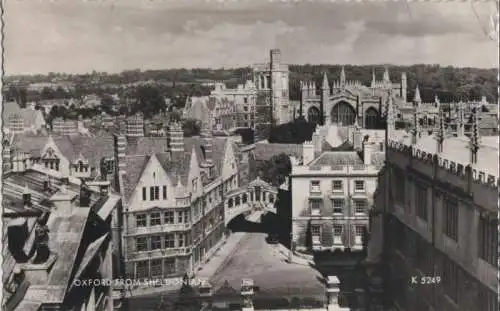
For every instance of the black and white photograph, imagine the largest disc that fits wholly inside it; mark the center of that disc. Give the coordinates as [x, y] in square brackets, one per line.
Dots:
[237, 155]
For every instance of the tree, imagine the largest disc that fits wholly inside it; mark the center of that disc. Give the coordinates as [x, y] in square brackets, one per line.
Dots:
[47, 93]
[107, 104]
[247, 135]
[191, 127]
[149, 101]
[295, 132]
[276, 169]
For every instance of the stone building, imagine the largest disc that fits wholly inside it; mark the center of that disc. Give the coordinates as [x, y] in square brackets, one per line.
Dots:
[438, 207]
[348, 102]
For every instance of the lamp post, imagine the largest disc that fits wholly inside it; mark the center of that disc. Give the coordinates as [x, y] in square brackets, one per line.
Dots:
[290, 253]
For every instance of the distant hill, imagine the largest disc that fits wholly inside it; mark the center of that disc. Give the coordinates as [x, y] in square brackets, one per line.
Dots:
[449, 83]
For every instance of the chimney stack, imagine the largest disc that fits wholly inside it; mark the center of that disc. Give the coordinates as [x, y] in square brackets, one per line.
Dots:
[120, 142]
[176, 138]
[84, 195]
[207, 140]
[63, 201]
[26, 196]
[307, 152]
[357, 139]
[474, 138]
[368, 149]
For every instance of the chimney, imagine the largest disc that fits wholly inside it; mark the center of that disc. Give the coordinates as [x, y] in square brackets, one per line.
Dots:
[120, 142]
[368, 149]
[307, 152]
[85, 194]
[63, 201]
[357, 139]
[207, 140]
[26, 196]
[441, 131]
[316, 140]
[247, 292]
[332, 294]
[176, 138]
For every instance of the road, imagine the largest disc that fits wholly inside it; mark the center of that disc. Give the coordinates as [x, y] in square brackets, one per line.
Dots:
[256, 259]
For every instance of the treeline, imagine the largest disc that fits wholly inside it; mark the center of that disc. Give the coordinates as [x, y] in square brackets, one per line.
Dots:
[449, 83]
[295, 132]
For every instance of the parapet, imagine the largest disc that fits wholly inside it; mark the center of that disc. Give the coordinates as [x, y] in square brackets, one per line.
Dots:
[458, 169]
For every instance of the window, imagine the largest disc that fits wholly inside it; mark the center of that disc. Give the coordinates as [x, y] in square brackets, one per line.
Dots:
[245, 100]
[155, 219]
[157, 193]
[169, 266]
[144, 194]
[399, 186]
[155, 242]
[164, 192]
[450, 278]
[421, 201]
[487, 299]
[168, 217]
[315, 205]
[337, 185]
[181, 240]
[337, 231]
[142, 270]
[359, 185]
[316, 232]
[169, 240]
[338, 206]
[450, 218]
[488, 239]
[360, 207]
[315, 186]
[186, 216]
[195, 184]
[141, 244]
[141, 220]
[151, 193]
[156, 267]
[359, 234]
[180, 217]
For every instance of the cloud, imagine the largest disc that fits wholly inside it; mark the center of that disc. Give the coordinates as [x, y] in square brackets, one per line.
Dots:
[76, 36]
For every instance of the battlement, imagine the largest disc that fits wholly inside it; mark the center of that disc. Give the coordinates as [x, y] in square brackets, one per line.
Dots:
[459, 169]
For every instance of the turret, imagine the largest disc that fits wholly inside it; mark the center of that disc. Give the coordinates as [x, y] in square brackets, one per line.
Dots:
[390, 118]
[474, 138]
[404, 86]
[461, 120]
[374, 81]
[416, 99]
[440, 135]
[325, 92]
[342, 77]
[386, 79]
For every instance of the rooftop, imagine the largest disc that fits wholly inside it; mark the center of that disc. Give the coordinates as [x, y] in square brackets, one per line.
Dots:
[456, 149]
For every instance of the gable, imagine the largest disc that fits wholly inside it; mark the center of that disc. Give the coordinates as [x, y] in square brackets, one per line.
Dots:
[229, 162]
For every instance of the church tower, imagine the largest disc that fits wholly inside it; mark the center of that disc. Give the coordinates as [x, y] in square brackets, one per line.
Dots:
[404, 87]
[279, 87]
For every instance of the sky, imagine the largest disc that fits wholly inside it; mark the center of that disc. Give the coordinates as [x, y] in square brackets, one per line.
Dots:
[42, 36]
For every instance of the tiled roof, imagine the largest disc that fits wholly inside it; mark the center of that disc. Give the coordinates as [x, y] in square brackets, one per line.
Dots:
[134, 167]
[92, 148]
[264, 151]
[332, 158]
[177, 168]
[146, 145]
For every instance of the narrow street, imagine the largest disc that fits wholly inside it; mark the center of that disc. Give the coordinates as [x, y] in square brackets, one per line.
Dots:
[256, 259]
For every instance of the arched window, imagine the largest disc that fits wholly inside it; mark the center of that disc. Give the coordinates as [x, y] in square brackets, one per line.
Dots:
[244, 198]
[343, 113]
[80, 166]
[371, 118]
[230, 202]
[237, 201]
[313, 115]
[271, 198]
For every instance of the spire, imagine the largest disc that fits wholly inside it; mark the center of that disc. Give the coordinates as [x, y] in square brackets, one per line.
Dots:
[461, 120]
[417, 100]
[386, 75]
[373, 78]
[390, 115]
[342, 77]
[416, 125]
[441, 131]
[474, 138]
[437, 102]
[325, 85]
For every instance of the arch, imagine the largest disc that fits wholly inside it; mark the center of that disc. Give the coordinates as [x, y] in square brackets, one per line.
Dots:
[343, 113]
[313, 115]
[371, 118]
[244, 198]
[271, 198]
[237, 201]
[230, 203]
